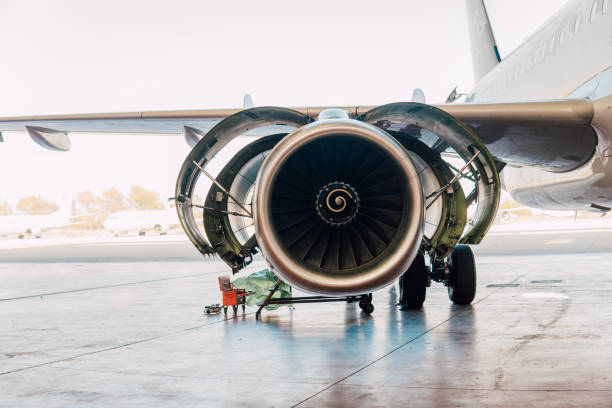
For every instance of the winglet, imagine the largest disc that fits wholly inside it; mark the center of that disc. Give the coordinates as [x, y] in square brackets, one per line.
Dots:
[247, 101]
[49, 138]
[485, 55]
[418, 95]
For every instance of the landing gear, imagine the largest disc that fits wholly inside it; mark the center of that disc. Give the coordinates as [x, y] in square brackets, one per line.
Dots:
[413, 284]
[462, 276]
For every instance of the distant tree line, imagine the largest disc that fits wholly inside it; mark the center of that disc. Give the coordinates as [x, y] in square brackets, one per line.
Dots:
[5, 209]
[90, 210]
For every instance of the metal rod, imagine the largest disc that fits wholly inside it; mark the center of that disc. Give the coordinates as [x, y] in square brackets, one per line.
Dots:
[266, 302]
[457, 176]
[457, 170]
[289, 301]
[221, 211]
[222, 188]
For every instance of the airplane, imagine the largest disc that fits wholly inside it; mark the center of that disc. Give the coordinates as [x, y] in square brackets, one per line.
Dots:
[159, 221]
[33, 225]
[346, 200]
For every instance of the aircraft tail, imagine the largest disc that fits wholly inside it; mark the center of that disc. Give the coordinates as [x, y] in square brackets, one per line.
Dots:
[485, 55]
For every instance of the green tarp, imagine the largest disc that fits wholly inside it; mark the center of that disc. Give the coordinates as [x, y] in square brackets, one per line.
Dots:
[259, 283]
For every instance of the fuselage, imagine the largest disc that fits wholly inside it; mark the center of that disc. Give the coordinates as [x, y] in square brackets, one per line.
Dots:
[32, 224]
[133, 220]
[573, 46]
[570, 56]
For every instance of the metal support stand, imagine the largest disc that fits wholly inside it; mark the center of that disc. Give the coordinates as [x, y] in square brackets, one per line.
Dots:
[365, 301]
[266, 302]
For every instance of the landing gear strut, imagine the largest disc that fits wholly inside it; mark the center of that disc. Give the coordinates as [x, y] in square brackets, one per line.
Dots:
[413, 284]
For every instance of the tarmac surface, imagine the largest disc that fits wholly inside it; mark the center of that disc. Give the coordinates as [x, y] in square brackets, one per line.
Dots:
[98, 325]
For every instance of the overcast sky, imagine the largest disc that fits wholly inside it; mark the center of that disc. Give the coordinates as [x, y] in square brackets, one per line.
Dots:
[70, 56]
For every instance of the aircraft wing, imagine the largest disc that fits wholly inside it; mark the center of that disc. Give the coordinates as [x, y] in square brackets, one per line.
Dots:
[554, 135]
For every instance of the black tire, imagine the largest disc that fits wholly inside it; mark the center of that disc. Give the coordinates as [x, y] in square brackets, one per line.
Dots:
[365, 304]
[368, 308]
[413, 284]
[462, 280]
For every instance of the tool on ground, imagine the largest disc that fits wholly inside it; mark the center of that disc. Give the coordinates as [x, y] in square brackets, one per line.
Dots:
[213, 309]
[232, 296]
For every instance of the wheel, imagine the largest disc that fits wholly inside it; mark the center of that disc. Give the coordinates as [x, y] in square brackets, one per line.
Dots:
[413, 284]
[367, 307]
[462, 280]
[365, 301]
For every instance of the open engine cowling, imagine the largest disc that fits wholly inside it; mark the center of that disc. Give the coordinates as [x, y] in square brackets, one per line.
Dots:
[338, 208]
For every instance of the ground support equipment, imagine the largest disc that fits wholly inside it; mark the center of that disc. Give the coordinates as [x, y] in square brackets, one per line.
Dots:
[365, 301]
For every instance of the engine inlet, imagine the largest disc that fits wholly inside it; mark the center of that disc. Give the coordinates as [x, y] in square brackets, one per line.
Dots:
[338, 208]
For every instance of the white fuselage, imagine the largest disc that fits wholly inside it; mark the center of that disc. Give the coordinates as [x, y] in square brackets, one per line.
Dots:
[134, 220]
[573, 46]
[31, 224]
[569, 57]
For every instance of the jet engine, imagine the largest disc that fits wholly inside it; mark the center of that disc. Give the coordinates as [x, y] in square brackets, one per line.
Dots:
[338, 208]
[341, 204]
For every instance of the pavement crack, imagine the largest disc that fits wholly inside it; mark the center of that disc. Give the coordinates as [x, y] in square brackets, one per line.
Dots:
[193, 377]
[62, 292]
[457, 313]
[425, 387]
[148, 339]
[525, 340]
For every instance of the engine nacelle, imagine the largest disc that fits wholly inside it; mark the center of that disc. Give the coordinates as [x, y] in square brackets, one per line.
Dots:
[338, 208]
[338, 205]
